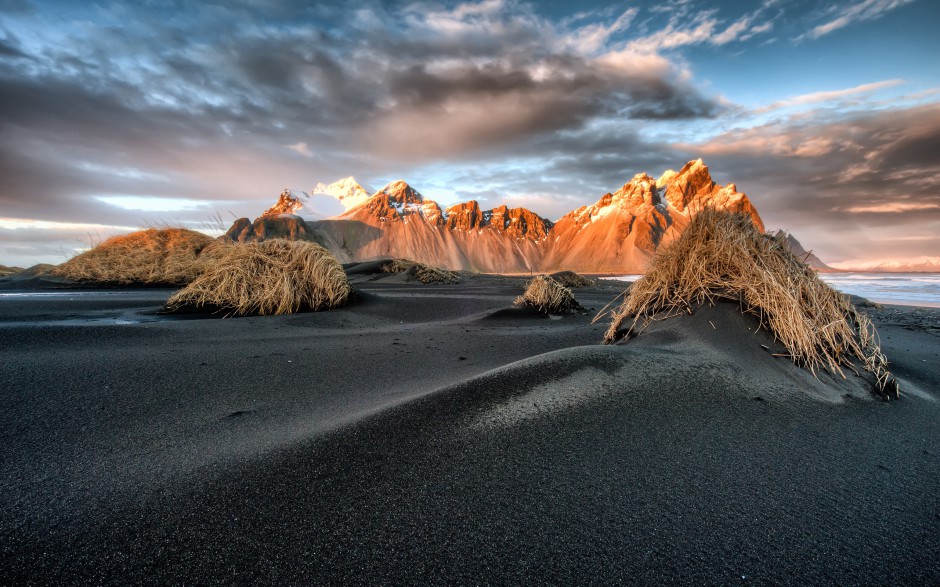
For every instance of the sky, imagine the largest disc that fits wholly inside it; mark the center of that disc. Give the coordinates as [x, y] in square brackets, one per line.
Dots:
[121, 115]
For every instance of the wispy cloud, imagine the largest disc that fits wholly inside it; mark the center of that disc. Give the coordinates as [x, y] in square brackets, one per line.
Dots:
[25, 224]
[860, 11]
[688, 27]
[301, 149]
[891, 208]
[230, 103]
[826, 96]
[594, 37]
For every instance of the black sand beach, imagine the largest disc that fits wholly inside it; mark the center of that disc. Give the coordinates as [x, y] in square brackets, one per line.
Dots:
[433, 434]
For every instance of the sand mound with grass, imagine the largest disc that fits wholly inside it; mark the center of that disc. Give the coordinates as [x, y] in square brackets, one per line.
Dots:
[148, 257]
[723, 256]
[271, 277]
[414, 271]
[572, 279]
[4, 270]
[547, 295]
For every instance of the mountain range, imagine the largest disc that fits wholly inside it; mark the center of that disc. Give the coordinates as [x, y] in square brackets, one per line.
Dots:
[617, 234]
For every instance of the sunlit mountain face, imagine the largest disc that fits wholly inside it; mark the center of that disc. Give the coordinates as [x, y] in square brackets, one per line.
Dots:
[122, 115]
[617, 235]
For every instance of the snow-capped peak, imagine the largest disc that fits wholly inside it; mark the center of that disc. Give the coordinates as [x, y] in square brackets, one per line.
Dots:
[348, 191]
[401, 192]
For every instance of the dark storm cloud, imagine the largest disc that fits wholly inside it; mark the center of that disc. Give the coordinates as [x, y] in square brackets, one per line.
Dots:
[204, 101]
[9, 48]
[229, 102]
[855, 174]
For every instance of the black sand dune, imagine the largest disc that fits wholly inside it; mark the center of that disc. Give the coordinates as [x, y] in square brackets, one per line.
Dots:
[431, 434]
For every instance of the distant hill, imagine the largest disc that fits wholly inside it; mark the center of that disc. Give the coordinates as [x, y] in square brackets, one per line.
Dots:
[808, 257]
[912, 265]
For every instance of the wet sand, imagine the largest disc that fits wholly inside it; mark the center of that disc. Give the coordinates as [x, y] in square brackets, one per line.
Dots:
[435, 434]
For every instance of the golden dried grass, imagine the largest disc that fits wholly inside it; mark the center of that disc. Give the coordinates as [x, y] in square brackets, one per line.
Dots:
[547, 295]
[147, 257]
[4, 270]
[722, 255]
[421, 272]
[572, 279]
[275, 276]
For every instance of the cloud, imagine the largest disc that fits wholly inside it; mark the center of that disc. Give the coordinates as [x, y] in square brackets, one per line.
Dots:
[594, 37]
[153, 204]
[860, 11]
[301, 149]
[891, 208]
[229, 104]
[689, 25]
[817, 97]
[848, 179]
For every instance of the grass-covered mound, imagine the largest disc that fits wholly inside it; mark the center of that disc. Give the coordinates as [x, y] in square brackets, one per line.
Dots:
[415, 271]
[271, 277]
[547, 295]
[572, 279]
[722, 255]
[4, 270]
[148, 257]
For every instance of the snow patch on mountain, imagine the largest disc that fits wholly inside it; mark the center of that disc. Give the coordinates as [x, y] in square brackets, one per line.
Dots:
[348, 191]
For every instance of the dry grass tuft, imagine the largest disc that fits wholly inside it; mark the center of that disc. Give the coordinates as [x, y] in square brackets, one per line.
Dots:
[547, 295]
[275, 276]
[722, 255]
[572, 279]
[421, 272]
[148, 257]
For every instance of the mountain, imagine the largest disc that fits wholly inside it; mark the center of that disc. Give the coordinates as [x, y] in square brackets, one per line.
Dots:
[808, 256]
[278, 221]
[912, 265]
[617, 234]
[347, 190]
[287, 226]
[398, 222]
[289, 202]
[620, 232]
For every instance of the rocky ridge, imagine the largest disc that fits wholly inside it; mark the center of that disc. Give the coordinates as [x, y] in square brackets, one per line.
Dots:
[617, 234]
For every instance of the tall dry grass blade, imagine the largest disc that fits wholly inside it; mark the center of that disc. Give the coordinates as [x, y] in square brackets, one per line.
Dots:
[722, 255]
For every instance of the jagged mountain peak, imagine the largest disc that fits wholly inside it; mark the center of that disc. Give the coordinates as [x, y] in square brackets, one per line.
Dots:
[666, 178]
[289, 202]
[639, 191]
[616, 234]
[396, 201]
[399, 191]
[514, 222]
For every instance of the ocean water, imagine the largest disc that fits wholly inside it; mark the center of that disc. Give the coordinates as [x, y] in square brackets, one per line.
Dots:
[905, 289]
